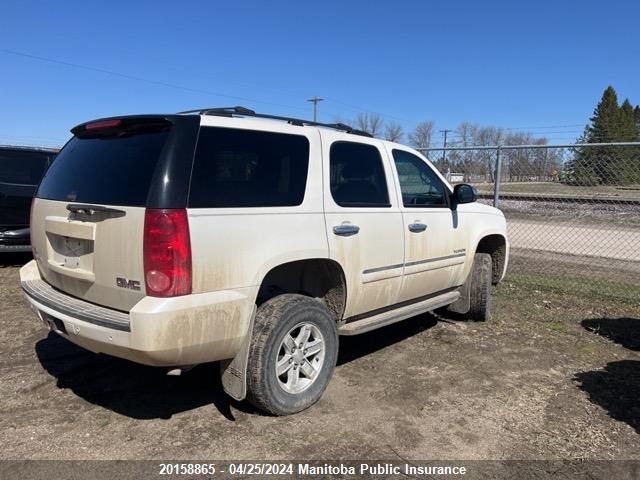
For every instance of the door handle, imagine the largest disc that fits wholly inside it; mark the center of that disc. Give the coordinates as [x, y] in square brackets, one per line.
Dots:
[346, 230]
[417, 227]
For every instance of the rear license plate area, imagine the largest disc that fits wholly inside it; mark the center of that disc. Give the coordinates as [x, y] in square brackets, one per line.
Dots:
[73, 249]
[69, 252]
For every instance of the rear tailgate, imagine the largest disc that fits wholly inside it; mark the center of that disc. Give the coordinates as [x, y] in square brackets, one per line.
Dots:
[89, 255]
[88, 215]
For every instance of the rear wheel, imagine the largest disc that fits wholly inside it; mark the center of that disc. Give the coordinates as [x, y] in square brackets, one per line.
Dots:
[293, 353]
[480, 294]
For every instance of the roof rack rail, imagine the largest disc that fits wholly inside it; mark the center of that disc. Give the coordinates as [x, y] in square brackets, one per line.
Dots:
[222, 111]
[243, 111]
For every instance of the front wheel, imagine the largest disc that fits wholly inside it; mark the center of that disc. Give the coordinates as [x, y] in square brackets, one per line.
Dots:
[480, 294]
[293, 352]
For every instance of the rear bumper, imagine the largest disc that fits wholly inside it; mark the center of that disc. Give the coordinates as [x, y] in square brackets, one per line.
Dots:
[157, 331]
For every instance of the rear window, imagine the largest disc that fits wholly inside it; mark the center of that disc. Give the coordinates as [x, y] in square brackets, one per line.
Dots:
[22, 167]
[357, 175]
[248, 168]
[114, 170]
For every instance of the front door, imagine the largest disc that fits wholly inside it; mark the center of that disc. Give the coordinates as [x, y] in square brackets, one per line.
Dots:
[434, 254]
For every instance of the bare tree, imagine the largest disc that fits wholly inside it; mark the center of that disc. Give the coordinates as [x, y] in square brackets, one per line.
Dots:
[393, 132]
[421, 136]
[344, 121]
[362, 122]
[489, 136]
[466, 134]
[369, 122]
[375, 124]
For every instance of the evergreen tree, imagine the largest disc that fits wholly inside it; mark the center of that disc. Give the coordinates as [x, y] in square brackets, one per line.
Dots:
[607, 165]
[606, 119]
[627, 166]
[628, 131]
[636, 114]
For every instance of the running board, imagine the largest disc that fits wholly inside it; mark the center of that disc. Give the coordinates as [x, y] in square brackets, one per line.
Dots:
[398, 314]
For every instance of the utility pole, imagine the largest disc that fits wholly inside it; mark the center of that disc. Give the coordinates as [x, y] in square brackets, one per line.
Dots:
[444, 150]
[315, 101]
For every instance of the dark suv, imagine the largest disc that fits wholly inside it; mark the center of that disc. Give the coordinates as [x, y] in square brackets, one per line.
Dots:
[21, 169]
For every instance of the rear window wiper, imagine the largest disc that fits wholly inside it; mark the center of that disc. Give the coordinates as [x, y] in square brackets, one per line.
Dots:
[91, 209]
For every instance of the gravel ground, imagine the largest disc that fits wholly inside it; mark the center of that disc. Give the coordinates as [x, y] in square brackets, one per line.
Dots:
[573, 213]
[554, 375]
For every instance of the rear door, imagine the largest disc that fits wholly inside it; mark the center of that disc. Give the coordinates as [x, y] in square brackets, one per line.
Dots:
[363, 221]
[20, 173]
[88, 215]
[434, 253]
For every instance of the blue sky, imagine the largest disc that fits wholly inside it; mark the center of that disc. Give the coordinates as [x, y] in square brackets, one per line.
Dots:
[511, 64]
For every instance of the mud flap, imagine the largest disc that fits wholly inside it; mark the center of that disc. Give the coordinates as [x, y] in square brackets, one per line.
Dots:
[463, 303]
[234, 372]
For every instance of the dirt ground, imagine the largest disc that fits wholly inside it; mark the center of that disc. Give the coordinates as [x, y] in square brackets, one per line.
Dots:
[554, 375]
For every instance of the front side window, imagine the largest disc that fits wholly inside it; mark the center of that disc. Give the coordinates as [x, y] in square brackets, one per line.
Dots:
[419, 184]
[357, 175]
[248, 168]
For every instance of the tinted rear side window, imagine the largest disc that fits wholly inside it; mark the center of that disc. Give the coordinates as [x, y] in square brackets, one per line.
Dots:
[248, 168]
[113, 170]
[22, 167]
[357, 176]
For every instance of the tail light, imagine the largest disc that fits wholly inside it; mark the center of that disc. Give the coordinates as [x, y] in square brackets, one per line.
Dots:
[104, 124]
[167, 253]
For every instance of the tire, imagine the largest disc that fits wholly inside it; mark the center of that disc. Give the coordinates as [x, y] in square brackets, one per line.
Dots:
[480, 302]
[278, 322]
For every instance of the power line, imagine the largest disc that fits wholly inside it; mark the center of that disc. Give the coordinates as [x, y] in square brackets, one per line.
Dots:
[548, 126]
[315, 101]
[160, 83]
[145, 80]
[526, 131]
[365, 110]
[246, 99]
[444, 150]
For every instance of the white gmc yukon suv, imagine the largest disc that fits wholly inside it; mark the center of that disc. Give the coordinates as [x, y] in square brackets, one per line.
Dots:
[253, 240]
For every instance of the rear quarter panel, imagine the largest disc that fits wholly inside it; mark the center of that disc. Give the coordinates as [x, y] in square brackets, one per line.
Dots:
[236, 247]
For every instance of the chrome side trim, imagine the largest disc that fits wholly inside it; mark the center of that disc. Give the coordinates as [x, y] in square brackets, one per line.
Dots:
[411, 264]
[382, 269]
[436, 259]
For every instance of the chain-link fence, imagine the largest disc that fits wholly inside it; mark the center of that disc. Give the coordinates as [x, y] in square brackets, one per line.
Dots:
[573, 211]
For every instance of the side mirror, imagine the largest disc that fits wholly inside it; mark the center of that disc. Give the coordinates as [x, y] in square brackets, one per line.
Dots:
[463, 193]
